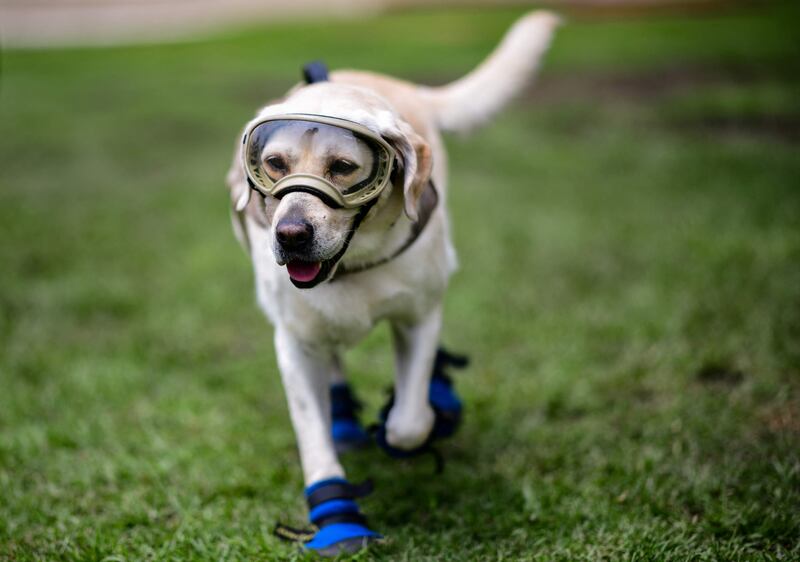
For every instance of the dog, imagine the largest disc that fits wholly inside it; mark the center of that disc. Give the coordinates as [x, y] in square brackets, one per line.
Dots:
[338, 194]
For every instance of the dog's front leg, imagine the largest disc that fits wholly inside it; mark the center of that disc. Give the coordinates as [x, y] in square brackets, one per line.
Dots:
[411, 418]
[306, 372]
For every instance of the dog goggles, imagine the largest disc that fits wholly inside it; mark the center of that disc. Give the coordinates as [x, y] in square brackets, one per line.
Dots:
[340, 161]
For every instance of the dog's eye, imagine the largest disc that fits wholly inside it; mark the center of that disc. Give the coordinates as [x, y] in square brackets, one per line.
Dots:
[276, 163]
[342, 167]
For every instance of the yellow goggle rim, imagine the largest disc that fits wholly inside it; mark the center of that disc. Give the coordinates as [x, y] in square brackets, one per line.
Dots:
[262, 183]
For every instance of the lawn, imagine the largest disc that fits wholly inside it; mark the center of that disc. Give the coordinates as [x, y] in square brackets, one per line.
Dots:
[629, 238]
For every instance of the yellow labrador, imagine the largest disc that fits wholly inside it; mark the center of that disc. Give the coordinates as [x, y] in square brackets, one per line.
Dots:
[339, 197]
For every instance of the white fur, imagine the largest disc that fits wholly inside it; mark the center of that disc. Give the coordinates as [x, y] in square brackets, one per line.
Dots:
[313, 326]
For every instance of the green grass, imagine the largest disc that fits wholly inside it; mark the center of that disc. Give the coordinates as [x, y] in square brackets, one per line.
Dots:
[629, 235]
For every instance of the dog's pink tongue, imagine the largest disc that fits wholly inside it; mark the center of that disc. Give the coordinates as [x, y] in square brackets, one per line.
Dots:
[303, 271]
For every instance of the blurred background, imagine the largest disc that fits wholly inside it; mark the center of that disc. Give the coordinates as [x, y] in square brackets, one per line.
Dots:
[629, 238]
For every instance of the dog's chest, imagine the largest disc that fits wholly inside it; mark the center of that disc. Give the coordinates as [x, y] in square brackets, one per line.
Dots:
[343, 312]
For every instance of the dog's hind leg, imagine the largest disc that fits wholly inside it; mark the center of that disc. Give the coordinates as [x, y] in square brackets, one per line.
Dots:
[411, 418]
[347, 431]
[306, 372]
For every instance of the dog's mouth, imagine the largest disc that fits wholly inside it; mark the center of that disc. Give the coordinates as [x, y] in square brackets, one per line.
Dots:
[307, 274]
[303, 271]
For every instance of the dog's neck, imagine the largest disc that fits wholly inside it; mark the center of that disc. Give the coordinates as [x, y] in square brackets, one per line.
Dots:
[388, 234]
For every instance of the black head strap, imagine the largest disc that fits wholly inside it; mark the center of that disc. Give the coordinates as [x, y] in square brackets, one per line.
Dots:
[315, 71]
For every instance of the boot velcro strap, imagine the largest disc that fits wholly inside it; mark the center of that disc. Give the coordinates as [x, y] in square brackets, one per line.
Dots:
[339, 490]
[341, 518]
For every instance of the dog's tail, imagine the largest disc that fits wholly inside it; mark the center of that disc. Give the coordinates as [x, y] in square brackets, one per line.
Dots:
[473, 99]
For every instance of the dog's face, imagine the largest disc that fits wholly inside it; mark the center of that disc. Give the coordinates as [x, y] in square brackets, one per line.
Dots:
[310, 237]
[308, 234]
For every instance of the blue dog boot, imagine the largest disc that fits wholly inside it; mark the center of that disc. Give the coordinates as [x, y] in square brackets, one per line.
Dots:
[347, 431]
[446, 404]
[442, 396]
[334, 511]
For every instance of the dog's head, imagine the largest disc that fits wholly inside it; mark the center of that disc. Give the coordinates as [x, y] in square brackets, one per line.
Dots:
[310, 234]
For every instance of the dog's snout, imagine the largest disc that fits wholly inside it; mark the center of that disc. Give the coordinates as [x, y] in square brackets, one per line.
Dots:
[294, 234]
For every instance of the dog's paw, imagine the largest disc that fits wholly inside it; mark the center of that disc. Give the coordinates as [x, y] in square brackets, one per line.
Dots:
[333, 509]
[409, 429]
[341, 538]
[405, 436]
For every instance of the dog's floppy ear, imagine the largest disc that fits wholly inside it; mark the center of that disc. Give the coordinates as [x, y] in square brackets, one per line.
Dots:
[240, 197]
[237, 183]
[415, 165]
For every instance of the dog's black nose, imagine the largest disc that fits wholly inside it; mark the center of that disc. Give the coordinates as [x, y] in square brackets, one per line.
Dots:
[294, 234]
